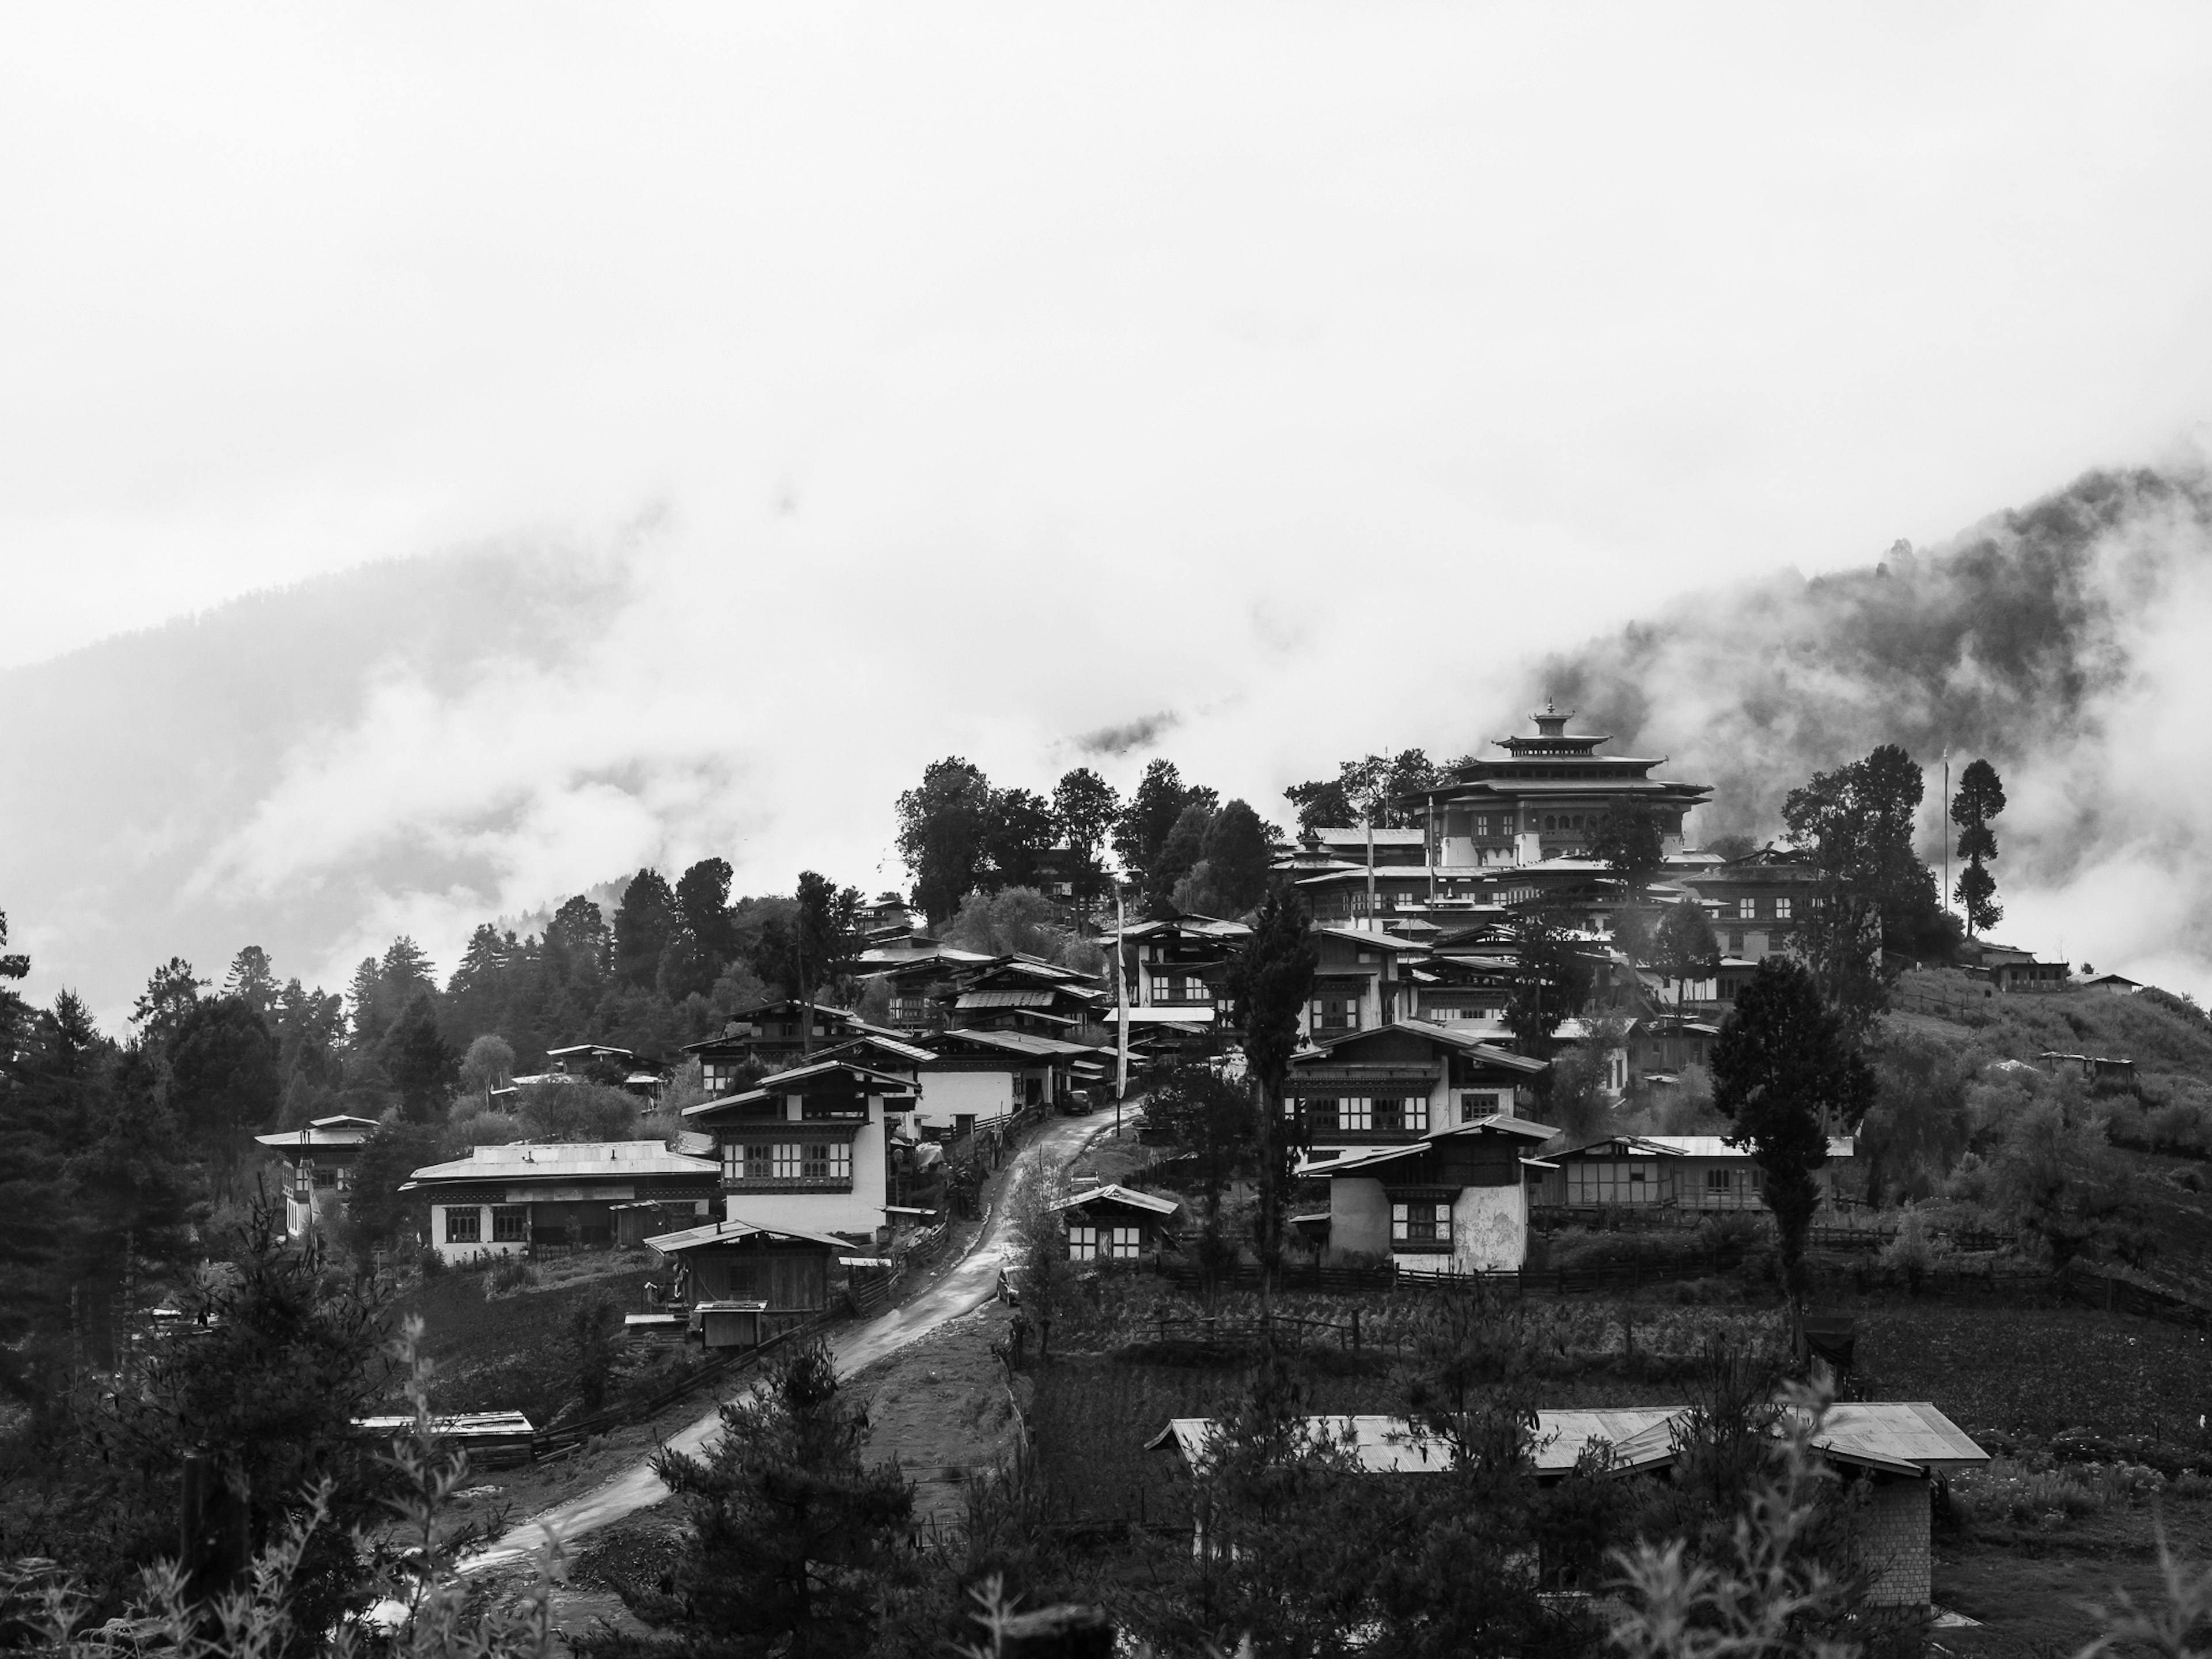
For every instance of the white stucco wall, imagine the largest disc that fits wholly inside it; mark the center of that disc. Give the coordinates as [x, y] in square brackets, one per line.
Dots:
[859, 1211]
[1490, 1228]
[483, 1247]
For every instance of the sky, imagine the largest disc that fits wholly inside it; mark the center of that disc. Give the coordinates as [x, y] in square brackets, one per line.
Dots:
[873, 383]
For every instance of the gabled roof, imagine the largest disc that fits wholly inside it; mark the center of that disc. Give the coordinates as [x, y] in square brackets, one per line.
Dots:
[337, 1131]
[1118, 1194]
[897, 1047]
[1464, 1042]
[736, 1232]
[1382, 941]
[1363, 1158]
[588, 1048]
[779, 1082]
[1022, 1043]
[589, 1160]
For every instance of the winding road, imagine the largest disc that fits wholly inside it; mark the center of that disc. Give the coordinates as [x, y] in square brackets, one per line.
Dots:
[971, 1282]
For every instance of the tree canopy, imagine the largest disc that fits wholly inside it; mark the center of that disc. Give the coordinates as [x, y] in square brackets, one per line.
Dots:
[1979, 799]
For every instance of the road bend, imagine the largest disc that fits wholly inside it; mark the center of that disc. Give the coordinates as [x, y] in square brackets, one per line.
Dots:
[967, 1285]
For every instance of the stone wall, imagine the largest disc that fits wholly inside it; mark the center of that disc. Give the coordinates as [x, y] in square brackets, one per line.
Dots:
[1895, 1541]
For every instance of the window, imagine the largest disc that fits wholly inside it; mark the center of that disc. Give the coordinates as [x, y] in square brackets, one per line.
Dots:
[464, 1226]
[719, 1076]
[1122, 1242]
[1354, 1113]
[786, 1162]
[510, 1224]
[1334, 1013]
[1402, 1114]
[1735, 943]
[1719, 1181]
[325, 1176]
[1421, 1224]
[1747, 910]
[1082, 1242]
[829, 1161]
[1782, 909]
[1471, 1106]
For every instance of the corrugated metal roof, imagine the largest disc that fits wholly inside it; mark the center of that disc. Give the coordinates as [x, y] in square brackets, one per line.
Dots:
[735, 1232]
[587, 1160]
[970, 999]
[1118, 1194]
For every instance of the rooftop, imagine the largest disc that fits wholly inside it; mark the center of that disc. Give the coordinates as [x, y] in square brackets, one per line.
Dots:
[581, 1160]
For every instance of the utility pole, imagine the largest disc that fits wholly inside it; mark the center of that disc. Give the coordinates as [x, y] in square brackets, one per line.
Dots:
[1121, 1013]
[1945, 821]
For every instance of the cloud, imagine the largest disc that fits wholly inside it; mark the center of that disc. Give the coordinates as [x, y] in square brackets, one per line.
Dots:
[2062, 641]
[1138, 734]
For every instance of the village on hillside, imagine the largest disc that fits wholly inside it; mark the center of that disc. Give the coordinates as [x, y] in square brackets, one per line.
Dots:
[1053, 1150]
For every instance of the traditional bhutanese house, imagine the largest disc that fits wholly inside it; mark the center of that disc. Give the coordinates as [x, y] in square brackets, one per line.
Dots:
[892, 1056]
[643, 1078]
[319, 1161]
[1759, 902]
[738, 1285]
[1397, 1083]
[500, 1201]
[1179, 961]
[1113, 1223]
[1362, 980]
[1545, 798]
[975, 1077]
[805, 1150]
[1690, 1172]
[1342, 897]
[1335, 844]
[771, 1035]
[1898, 1449]
[1022, 993]
[1454, 1200]
[1662, 1046]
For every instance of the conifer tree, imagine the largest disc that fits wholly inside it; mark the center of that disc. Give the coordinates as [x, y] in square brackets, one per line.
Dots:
[1981, 797]
[1270, 983]
[794, 1532]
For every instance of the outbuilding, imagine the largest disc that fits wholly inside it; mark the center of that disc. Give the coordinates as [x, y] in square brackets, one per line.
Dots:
[516, 1199]
[1114, 1222]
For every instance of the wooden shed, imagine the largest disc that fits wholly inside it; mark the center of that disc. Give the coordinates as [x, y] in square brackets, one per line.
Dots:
[1115, 1224]
[742, 1284]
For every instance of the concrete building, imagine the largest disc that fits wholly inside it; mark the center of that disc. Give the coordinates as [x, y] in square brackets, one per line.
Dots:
[1454, 1200]
[805, 1150]
[507, 1200]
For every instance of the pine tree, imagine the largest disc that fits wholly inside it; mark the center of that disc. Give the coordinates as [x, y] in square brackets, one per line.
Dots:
[643, 923]
[1270, 983]
[1980, 799]
[794, 1533]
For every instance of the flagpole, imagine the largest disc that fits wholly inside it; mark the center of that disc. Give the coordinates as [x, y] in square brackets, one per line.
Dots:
[1121, 1013]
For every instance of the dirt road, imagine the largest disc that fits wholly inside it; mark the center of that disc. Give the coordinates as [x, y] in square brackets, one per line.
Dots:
[968, 1285]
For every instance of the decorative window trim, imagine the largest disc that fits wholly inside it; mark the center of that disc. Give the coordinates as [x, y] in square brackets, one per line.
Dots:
[464, 1225]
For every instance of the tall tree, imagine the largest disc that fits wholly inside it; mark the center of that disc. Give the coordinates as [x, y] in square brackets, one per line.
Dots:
[1270, 985]
[1630, 839]
[1178, 856]
[1685, 948]
[1857, 821]
[423, 1066]
[1981, 797]
[129, 1183]
[222, 1074]
[1238, 856]
[578, 948]
[943, 826]
[1020, 829]
[1786, 1070]
[643, 923]
[405, 973]
[1084, 807]
[1321, 804]
[816, 945]
[161, 1007]
[1551, 981]
[251, 979]
[702, 901]
[1150, 818]
[365, 1014]
[34, 1220]
[794, 1529]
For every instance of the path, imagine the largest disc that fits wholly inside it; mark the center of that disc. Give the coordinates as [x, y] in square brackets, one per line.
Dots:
[970, 1283]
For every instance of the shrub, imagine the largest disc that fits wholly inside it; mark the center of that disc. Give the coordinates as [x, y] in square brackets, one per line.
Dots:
[511, 1274]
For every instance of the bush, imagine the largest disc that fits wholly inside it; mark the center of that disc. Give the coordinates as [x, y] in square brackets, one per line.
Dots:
[1911, 1253]
[511, 1274]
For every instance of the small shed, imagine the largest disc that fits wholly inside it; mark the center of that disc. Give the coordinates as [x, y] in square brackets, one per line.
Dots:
[1114, 1222]
[744, 1285]
[491, 1438]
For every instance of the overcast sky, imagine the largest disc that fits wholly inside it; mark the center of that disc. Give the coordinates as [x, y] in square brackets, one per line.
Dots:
[953, 377]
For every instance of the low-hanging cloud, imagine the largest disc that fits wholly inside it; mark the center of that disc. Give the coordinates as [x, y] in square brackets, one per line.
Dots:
[2062, 641]
[1138, 734]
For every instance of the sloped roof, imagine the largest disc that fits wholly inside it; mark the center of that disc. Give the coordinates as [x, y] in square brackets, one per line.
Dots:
[779, 1082]
[898, 1047]
[733, 1232]
[974, 999]
[1908, 1437]
[1119, 1194]
[1386, 941]
[1462, 1041]
[338, 1131]
[584, 1160]
[1021, 1043]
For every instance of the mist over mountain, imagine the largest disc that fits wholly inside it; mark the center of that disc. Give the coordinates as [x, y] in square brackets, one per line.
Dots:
[2063, 640]
[422, 745]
